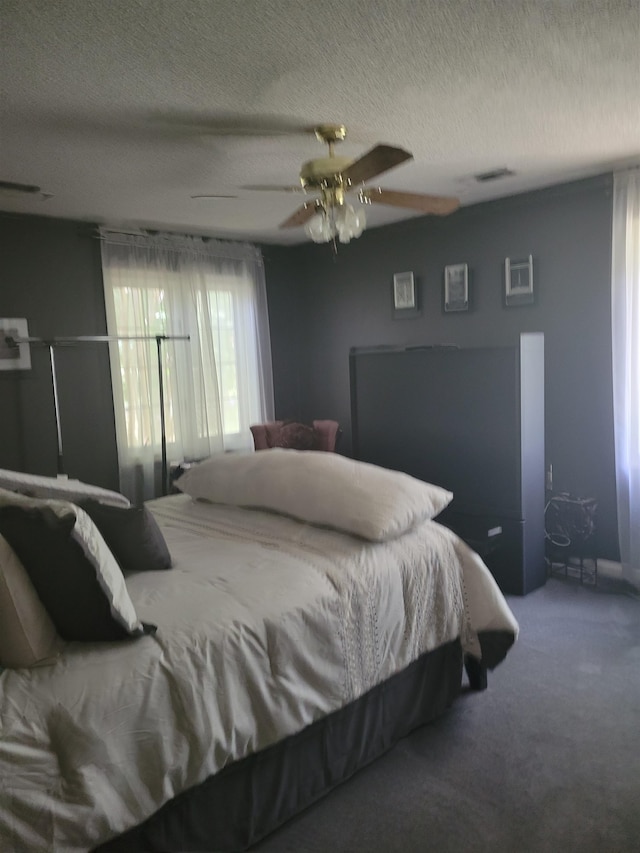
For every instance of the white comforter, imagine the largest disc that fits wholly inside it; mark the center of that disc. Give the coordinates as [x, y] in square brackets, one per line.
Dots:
[264, 625]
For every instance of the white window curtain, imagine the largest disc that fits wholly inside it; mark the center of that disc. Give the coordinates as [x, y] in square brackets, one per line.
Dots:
[625, 292]
[217, 383]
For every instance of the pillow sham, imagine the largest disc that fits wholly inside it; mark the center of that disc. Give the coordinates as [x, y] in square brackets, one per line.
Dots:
[132, 535]
[320, 488]
[62, 488]
[74, 574]
[27, 635]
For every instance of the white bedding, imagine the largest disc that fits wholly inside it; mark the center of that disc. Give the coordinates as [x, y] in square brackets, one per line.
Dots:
[265, 625]
[60, 488]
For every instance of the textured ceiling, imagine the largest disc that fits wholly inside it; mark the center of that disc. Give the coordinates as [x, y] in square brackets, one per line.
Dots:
[117, 108]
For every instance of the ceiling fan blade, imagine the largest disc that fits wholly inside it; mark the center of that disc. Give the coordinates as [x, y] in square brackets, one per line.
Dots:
[438, 204]
[231, 124]
[302, 214]
[213, 195]
[380, 159]
[261, 188]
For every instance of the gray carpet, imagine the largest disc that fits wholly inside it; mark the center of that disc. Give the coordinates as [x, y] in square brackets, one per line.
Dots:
[546, 759]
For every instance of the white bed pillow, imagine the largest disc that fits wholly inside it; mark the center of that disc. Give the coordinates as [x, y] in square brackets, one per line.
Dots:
[320, 488]
[27, 635]
[37, 486]
[75, 575]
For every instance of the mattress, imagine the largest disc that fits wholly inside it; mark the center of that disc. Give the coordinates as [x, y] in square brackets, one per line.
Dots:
[265, 625]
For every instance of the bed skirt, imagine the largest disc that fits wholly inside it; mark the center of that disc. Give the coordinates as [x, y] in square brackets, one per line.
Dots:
[235, 808]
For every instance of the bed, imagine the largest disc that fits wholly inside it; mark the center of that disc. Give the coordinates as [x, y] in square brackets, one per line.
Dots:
[314, 612]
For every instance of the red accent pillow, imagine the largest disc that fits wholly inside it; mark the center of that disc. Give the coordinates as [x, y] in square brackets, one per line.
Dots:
[272, 432]
[297, 436]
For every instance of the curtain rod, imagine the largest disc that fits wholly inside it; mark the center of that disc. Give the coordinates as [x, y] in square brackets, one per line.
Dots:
[100, 232]
[96, 234]
[51, 343]
[221, 247]
[59, 340]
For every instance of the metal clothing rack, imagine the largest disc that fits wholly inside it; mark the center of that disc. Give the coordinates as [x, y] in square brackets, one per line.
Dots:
[54, 342]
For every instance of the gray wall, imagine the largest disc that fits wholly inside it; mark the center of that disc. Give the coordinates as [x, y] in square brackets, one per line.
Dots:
[286, 314]
[50, 273]
[321, 305]
[346, 302]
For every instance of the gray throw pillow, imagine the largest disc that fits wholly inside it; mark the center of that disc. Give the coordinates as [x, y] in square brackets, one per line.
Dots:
[73, 577]
[132, 535]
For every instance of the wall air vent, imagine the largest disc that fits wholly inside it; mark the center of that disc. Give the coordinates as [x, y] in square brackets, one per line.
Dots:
[493, 175]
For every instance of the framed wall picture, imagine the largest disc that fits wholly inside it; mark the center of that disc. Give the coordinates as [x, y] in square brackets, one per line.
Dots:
[518, 281]
[405, 296]
[14, 356]
[456, 287]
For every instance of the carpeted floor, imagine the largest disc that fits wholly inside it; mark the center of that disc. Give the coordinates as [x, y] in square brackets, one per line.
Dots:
[547, 759]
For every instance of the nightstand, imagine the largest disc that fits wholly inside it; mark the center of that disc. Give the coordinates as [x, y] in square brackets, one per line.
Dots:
[177, 469]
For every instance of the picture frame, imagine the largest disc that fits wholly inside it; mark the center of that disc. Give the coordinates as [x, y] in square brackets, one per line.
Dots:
[518, 282]
[456, 288]
[405, 295]
[14, 356]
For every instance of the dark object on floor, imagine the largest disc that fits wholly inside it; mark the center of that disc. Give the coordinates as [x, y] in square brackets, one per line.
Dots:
[570, 530]
[476, 673]
[470, 419]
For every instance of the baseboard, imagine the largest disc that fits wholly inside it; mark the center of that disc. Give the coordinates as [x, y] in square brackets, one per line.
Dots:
[610, 567]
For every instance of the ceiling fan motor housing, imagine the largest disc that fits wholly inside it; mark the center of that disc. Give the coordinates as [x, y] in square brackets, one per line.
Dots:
[324, 172]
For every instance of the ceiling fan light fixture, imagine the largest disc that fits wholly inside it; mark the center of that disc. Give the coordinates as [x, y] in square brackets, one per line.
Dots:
[319, 227]
[336, 220]
[350, 222]
[329, 217]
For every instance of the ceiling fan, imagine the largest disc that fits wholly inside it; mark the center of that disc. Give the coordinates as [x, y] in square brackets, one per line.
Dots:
[329, 214]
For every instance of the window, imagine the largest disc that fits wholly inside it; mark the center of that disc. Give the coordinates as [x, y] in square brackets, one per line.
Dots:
[218, 382]
[625, 312]
[140, 416]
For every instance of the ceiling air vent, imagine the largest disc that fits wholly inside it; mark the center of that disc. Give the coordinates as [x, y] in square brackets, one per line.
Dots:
[493, 175]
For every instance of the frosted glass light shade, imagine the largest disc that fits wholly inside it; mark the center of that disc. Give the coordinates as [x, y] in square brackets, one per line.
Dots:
[344, 221]
[350, 223]
[319, 228]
